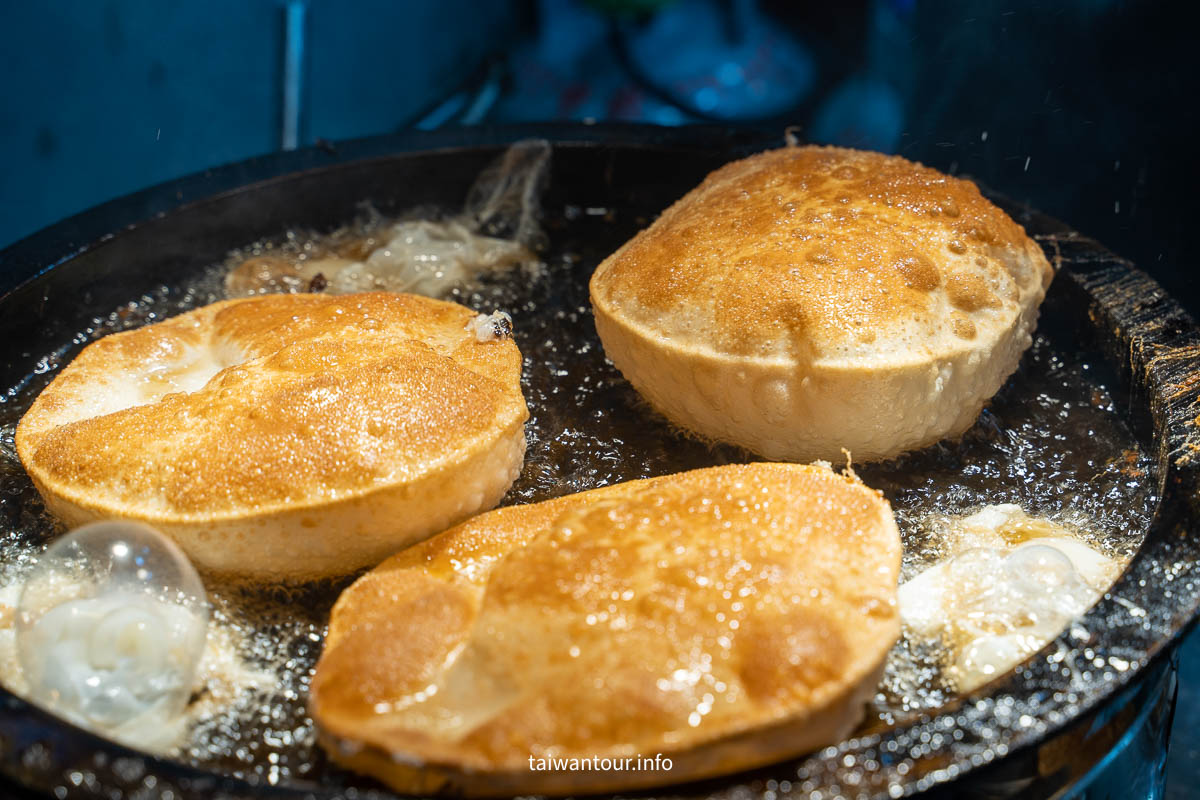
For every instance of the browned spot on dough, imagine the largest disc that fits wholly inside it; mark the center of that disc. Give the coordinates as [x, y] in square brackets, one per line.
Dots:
[981, 233]
[792, 655]
[389, 653]
[968, 292]
[962, 327]
[918, 272]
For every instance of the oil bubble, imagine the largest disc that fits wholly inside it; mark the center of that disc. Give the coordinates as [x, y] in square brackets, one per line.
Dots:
[111, 625]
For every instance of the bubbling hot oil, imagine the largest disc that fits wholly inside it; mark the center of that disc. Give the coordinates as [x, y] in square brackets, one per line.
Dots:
[1051, 441]
[1011, 584]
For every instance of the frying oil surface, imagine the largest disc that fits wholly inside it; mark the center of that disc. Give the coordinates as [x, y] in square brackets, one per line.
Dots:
[1051, 441]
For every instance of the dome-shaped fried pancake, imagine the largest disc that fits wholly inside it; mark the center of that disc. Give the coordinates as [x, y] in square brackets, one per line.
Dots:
[725, 618]
[284, 436]
[810, 299]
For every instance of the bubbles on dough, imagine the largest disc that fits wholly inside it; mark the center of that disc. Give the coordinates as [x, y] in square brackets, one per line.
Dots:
[111, 625]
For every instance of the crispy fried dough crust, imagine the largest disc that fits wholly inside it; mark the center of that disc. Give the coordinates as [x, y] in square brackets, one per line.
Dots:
[813, 298]
[726, 617]
[287, 436]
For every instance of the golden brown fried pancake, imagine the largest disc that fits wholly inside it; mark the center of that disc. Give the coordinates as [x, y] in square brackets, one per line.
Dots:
[810, 299]
[284, 436]
[724, 618]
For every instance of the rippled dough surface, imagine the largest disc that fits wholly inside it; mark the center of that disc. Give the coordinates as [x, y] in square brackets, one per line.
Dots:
[284, 435]
[812, 298]
[726, 617]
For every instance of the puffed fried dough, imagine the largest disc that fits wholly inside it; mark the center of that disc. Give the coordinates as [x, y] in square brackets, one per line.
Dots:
[284, 436]
[811, 299]
[725, 618]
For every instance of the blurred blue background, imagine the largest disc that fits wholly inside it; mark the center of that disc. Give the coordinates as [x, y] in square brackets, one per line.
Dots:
[1083, 108]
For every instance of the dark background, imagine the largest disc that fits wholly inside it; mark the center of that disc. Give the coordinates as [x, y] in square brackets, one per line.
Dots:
[1085, 109]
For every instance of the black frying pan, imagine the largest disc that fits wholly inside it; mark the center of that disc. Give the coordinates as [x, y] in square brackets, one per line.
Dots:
[1033, 730]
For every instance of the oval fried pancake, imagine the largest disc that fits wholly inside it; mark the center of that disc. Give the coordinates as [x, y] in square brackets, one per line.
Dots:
[724, 618]
[284, 436]
[810, 299]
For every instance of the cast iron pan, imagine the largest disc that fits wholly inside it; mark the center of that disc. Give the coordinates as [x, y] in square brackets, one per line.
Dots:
[1102, 673]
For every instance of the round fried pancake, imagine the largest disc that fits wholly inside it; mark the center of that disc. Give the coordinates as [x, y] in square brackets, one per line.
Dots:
[810, 299]
[724, 618]
[284, 436]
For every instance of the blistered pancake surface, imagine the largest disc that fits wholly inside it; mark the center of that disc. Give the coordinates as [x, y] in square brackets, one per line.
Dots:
[725, 617]
[282, 404]
[812, 299]
[825, 253]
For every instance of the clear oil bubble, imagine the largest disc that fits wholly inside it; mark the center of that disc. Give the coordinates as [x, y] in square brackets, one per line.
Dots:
[111, 625]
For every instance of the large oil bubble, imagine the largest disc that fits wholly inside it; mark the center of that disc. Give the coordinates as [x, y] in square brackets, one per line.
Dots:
[1014, 584]
[111, 625]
